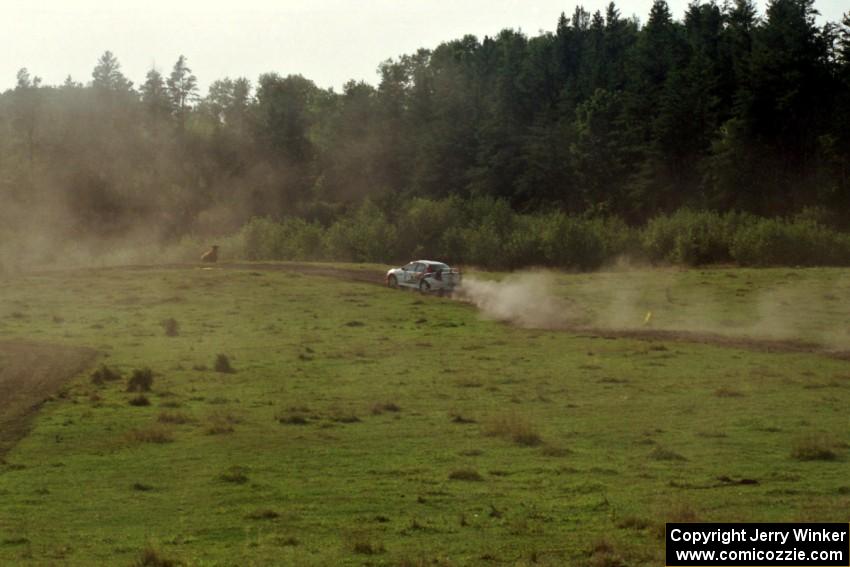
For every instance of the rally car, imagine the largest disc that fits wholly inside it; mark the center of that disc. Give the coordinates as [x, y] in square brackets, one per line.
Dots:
[424, 275]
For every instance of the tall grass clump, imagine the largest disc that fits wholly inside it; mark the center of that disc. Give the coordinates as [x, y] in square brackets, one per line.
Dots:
[778, 242]
[423, 226]
[364, 236]
[263, 240]
[141, 380]
[514, 427]
[574, 242]
[487, 232]
[688, 237]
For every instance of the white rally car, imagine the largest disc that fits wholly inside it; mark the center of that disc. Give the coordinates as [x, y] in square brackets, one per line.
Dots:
[426, 276]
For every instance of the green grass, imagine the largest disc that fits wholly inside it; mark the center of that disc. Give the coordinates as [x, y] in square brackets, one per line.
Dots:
[422, 433]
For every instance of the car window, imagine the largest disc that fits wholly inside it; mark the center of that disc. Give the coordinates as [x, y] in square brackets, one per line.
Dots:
[409, 267]
[418, 267]
[438, 267]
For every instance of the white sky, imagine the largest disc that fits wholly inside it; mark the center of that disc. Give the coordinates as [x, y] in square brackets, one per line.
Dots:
[328, 41]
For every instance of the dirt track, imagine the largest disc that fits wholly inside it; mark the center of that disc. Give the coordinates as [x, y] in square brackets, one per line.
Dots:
[367, 276]
[377, 277]
[729, 341]
[30, 372]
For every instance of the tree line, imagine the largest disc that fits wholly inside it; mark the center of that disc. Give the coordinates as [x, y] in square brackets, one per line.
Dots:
[726, 110]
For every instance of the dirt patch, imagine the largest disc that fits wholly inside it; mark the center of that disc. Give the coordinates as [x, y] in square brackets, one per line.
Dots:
[31, 372]
[367, 276]
[730, 341]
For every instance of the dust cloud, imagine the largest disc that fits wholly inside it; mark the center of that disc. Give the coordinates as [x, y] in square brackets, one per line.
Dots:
[667, 303]
[525, 300]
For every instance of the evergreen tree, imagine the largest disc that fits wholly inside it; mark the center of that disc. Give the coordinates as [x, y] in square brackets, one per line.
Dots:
[107, 75]
[785, 96]
[155, 97]
[182, 87]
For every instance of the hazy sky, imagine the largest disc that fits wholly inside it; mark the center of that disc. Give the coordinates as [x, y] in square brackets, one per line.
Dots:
[328, 41]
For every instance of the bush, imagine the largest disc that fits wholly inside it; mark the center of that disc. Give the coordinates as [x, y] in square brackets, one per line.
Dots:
[222, 364]
[814, 448]
[175, 417]
[152, 434]
[619, 239]
[151, 557]
[771, 242]
[263, 240]
[306, 241]
[484, 247]
[171, 327]
[104, 374]
[423, 225]
[234, 475]
[453, 245]
[688, 237]
[486, 232]
[516, 428]
[571, 242]
[141, 380]
[470, 475]
[365, 236]
[525, 245]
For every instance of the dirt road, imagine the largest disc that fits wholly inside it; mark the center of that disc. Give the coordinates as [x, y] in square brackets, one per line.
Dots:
[31, 372]
[377, 277]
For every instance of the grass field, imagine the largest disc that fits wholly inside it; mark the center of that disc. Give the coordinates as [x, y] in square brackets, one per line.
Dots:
[362, 426]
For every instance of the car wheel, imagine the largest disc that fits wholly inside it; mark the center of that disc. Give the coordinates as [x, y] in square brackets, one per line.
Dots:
[392, 282]
[424, 287]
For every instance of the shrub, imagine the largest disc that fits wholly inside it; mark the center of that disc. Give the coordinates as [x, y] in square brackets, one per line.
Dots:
[221, 424]
[172, 328]
[365, 236]
[105, 374]
[140, 401]
[771, 242]
[465, 474]
[488, 211]
[687, 237]
[222, 364]
[151, 557]
[175, 417]
[525, 245]
[619, 239]
[234, 475]
[571, 242]
[516, 428]
[141, 380]
[363, 543]
[153, 434]
[484, 246]
[293, 419]
[379, 408]
[304, 240]
[263, 240]
[604, 554]
[814, 448]
[487, 232]
[661, 454]
[263, 514]
[453, 245]
[424, 223]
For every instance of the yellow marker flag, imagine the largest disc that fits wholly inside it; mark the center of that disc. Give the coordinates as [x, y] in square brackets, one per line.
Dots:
[648, 318]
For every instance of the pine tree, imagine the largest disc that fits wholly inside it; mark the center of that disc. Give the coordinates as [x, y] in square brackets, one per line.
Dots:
[107, 75]
[182, 88]
[155, 97]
